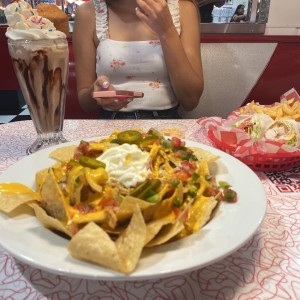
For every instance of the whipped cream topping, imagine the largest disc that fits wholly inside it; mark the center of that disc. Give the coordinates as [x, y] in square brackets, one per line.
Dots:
[25, 23]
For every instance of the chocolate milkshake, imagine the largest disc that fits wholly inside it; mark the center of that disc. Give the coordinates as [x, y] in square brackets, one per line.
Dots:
[40, 59]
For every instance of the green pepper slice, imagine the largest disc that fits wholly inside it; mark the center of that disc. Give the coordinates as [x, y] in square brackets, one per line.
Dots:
[140, 188]
[154, 198]
[150, 189]
[148, 140]
[129, 137]
[90, 162]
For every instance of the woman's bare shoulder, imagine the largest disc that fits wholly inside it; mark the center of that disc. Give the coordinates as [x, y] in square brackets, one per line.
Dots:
[86, 9]
[187, 4]
[84, 25]
[188, 10]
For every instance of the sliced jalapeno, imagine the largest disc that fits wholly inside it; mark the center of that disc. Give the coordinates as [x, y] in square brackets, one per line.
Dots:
[90, 162]
[149, 191]
[148, 140]
[153, 132]
[140, 188]
[129, 137]
[154, 198]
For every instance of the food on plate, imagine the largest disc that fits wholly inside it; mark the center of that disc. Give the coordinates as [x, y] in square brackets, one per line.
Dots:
[255, 125]
[287, 131]
[117, 195]
[289, 109]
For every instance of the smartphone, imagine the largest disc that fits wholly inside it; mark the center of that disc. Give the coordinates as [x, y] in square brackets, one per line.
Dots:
[118, 94]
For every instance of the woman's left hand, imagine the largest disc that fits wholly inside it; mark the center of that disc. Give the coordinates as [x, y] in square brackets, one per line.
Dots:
[156, 14]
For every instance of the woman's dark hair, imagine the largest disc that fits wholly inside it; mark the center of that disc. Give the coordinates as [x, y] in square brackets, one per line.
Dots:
[237, 8]
[236, 11]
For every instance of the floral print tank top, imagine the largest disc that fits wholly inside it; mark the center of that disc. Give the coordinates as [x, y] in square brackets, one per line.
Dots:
[135, 65]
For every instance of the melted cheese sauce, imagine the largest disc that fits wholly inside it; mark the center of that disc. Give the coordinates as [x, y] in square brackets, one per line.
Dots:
[15, 188]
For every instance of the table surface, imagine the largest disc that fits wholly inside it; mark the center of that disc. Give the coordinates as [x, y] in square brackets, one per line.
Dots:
[266, 267]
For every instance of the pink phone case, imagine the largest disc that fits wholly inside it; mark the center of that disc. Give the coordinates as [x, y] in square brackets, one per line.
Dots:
[118, 94]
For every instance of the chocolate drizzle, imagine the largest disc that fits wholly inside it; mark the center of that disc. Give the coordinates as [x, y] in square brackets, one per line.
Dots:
[44, 89]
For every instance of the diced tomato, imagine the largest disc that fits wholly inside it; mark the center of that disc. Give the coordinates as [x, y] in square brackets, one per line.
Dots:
[177, 212]
[229, 195]
[84, 208]
[82, 149]
[188, 166]
[182, 175]
[211, 191]
[109, 201]
[176, 142]
[184, 171]
[69, 167]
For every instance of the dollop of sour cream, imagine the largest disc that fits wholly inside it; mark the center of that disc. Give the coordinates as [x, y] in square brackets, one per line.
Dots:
[126, 164]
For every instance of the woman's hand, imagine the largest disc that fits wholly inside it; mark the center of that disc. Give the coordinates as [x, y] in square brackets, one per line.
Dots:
[181, 51]
[102, 84]
[156, 14]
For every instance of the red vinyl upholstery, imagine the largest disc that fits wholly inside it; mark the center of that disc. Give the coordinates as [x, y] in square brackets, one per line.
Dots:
[280, 75]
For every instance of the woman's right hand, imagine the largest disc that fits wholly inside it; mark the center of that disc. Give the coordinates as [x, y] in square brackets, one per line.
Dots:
[156, 15]
[102, 83]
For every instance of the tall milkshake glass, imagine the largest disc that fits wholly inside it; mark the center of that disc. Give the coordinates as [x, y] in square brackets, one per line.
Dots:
[40, 57]
[41, 67]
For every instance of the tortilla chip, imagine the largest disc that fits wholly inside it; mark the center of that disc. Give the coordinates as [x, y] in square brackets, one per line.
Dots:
[131, 242]
[98, 216]
[52, 198]
[9, 202]
[200, 213]
[204, 155]
[93, 244]
[172, 132]
[63, 153]
[40, 178]
[210, 206]
[127, 207]
[166, 233]
[154, 227]
[48, 221]
[13, 195]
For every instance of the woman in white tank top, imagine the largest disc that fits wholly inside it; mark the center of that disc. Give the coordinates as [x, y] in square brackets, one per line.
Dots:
[150, 46]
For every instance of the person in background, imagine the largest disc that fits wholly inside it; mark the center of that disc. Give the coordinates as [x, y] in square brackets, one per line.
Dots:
[140, 45]
[239, 14]
[206, 7]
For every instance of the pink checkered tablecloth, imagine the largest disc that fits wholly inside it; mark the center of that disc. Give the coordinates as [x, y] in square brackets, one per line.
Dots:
[266, 267]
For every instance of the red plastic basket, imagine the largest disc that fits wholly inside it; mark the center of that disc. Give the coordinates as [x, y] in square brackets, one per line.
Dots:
[266, 162]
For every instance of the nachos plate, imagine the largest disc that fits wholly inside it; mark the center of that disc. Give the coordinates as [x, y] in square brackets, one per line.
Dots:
[47, 249]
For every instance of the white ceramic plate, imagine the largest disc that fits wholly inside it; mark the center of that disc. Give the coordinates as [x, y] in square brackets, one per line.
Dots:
[23, 236]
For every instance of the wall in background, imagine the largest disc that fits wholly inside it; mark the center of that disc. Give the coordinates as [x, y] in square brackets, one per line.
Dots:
[283, 18]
